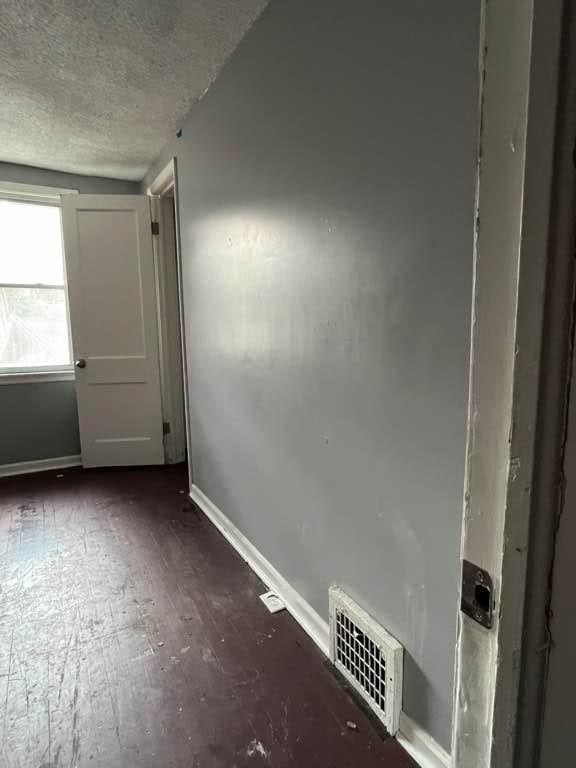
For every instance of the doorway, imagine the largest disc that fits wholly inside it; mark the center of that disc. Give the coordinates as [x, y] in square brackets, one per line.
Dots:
[172, 353]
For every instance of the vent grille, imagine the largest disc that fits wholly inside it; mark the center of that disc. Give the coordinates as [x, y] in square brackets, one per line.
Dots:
[361, 657]
[368, 657]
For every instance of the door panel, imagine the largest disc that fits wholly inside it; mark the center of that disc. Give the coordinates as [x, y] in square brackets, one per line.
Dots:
[110, 267]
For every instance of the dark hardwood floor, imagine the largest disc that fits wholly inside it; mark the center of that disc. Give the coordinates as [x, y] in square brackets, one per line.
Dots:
[131, 635]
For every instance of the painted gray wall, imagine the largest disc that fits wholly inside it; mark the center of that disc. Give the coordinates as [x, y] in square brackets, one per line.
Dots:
[40, 421]
[88, 185]
[326, 197]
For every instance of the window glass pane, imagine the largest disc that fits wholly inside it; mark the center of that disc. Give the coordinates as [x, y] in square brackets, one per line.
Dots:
[33, 327]
[31, 244]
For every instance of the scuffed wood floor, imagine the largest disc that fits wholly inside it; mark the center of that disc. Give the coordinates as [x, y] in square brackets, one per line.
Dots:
[132, 636]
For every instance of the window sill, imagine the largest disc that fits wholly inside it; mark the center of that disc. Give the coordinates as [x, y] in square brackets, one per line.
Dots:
[36, 377]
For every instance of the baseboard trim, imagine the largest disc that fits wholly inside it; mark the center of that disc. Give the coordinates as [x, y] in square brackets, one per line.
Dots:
[40, 465]
[420, 745]
[415, 740]
[302, 611]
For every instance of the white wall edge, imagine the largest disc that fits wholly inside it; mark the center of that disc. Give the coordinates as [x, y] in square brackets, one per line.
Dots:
[420, 745]
[415, 740]
[40, 465]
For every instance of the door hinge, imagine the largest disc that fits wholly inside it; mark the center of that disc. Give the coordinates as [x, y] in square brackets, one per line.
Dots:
[155, 228]
[165, 427]
[477, 594]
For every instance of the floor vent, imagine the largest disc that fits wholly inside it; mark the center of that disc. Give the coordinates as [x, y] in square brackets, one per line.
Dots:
[367, 656]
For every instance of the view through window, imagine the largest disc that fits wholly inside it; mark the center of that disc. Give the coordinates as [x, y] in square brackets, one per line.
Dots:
[33, 310]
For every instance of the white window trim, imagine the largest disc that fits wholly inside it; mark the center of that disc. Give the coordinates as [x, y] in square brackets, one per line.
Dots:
[36, 376]
[33, 194]
[27, 193]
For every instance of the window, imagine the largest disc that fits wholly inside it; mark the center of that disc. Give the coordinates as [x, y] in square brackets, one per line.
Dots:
[34, 331]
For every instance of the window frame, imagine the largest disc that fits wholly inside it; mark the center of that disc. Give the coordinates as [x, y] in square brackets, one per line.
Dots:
[50, 196]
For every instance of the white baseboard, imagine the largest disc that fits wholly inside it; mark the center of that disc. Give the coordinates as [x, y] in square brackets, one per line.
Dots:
[420, 745]
[302, 611]
[40, 465]
[415, 740]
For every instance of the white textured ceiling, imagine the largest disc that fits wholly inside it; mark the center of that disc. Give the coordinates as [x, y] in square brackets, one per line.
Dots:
[98, 87]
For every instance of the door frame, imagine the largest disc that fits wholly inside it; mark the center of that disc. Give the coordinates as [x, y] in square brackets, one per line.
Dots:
[553, 415]
[165, 183]
[512, 455]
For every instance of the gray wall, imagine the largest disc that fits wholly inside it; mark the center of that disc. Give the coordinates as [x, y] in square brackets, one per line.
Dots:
[88, 185]
[326, 198]
[40, 421]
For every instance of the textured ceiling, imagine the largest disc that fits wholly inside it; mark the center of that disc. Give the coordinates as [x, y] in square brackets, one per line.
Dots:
[98, 87]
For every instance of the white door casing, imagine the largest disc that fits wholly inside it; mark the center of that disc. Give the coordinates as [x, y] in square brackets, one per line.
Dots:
[112, 298]
[166, 179]
[520, 48]
[169, 330]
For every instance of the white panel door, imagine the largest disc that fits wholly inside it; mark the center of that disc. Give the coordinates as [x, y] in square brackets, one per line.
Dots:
[112, 294]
